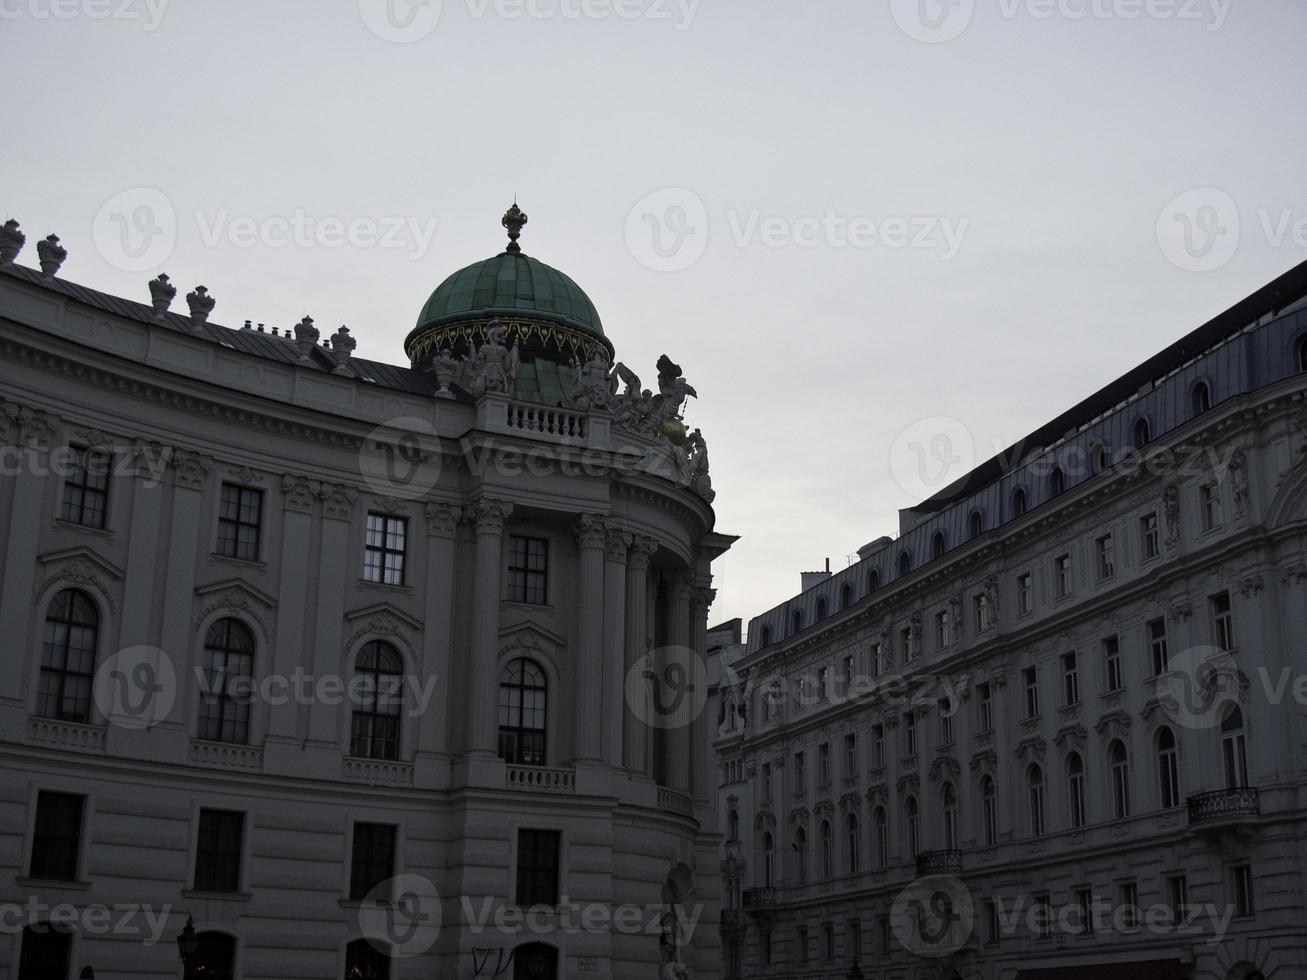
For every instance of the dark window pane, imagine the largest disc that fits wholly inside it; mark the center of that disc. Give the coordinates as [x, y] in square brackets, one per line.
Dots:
[373, 858]
[218, 851]
[57, 837]
[45, 953]
[537, 867]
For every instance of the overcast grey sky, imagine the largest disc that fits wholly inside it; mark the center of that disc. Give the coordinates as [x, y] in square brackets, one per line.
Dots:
[868, 214]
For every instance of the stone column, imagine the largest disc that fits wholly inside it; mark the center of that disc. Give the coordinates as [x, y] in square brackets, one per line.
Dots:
[32, 434]
[677, 742]
[336, 565]
[616, 545]
[590, 535]
[298, 495]
[488, 515]
[703, 768]
[438, 632]
[635, 733]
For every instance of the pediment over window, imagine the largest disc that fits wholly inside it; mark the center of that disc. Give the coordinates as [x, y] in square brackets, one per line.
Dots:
[1073, 735]
[236, 594]
[383, 609]
[528, 639]
[1031, 750]
[1114, 724]
[944, 767]
[79, 566]
[984, 762]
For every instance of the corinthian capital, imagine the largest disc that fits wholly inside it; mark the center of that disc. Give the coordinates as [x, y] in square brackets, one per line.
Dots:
[641, 550]
[702, 599]
[489, 514]
[616, 544]
[442, 519]
[190, 470]
[591, 530]
[680, 585]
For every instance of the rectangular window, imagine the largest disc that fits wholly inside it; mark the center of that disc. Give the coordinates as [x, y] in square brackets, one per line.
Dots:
[823, 764]
[86, 487]
[878, 666]
[800, 773]
[1157, 644]
[984, 708]
[1062, 575]
[909, 734]
[383, 549]
[850, 755]
[847, 680]
[886, 935]
[1112, 662]
[854, 941]
[372, 858]
[57, 837]
[877, 746]
[1106, 557]
[1025, 594]
[1129, 897]
[1070, 679]
[1043, 917]
[766, 781]
[801, 943]
[764, 943]
[945, 706]
[905, 644]
[1177, 894]
[1085, 910]
[828, 942]
[240, 516]
[823, 683]
[1222, 621]
[1241, 878]
[218, 851]
[537, 867]
[528, 562]
[942, 636]
[1030, 680]
[993, 925]
[1209, 506]
[1149, 543]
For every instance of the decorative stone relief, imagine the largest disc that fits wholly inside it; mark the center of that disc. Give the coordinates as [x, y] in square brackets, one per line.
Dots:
[338, 500]
[442, 519]
[489, 514]
[190, 470]
[298, 492]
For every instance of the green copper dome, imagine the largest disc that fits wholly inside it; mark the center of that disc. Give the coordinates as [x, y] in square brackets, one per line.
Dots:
[511, 284]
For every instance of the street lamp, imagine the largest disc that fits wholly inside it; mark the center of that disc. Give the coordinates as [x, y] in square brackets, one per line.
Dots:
[854, 973]
[188, 943]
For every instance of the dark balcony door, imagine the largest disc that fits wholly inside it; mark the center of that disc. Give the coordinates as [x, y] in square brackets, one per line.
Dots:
[535, 961]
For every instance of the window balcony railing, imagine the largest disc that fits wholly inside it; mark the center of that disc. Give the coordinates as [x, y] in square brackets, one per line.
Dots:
[676, 801]
[946, 862]
[758, 898]
[732, 919]
[540, 779]
[1224, 806]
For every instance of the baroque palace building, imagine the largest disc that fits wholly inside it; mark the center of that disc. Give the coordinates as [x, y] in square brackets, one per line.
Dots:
[1055, 729]
[332, 668]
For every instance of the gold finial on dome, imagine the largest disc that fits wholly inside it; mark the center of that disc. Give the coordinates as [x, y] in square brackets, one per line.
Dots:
[514, 218]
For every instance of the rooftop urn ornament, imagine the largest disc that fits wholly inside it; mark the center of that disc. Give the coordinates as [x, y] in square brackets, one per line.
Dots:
[446, 368]
[514, 218]
[201, 304]
[12, 241]
[306, 337]
[162, 293]
[342, 345]
[51, 254]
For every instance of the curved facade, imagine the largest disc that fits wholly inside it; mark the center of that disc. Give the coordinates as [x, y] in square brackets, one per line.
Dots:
[316, 650]
[1057, 741]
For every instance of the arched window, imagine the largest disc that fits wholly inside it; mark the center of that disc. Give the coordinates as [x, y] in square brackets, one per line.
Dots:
[1142, 433]
[535, 961]
[1098, 457]
[1035, 783]
[905, 563]
[214, 957]
[72, 628]
[855, 843]
[1200, 398]
[989, 808]
[846, 596]
[1168, 769]
[768, 860]
[880, 828]
[1120, 779]
[1018, 501]
[827, 850]
[796, 621]
[766, 636]
[1075, 777]
[938, 545]
[45, 952]
[363, 961]
[977, 523]
[374, 731]
[1056, 481]
[949, 799]
[821, 608]
[1300, 354]
[801, 854]
[229, 677]
[1234, 749]
[732, 825]
[913, 818]
[523, 705]
[873, 580]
